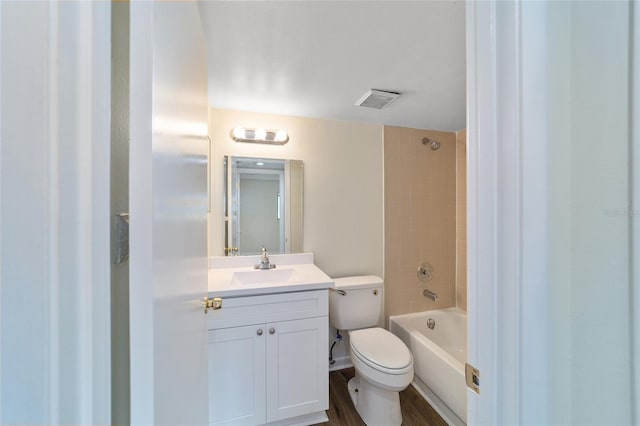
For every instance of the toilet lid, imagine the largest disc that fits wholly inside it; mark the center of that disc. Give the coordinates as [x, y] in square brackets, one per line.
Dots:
[380, 347]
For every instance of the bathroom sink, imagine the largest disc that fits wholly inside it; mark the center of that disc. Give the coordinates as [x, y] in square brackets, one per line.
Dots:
[231, 276]
[264, 276]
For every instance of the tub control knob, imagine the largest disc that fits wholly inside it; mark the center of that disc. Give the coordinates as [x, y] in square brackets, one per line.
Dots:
[425, 272]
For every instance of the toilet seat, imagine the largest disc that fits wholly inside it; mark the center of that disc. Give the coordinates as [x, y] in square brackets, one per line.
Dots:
[381, 350]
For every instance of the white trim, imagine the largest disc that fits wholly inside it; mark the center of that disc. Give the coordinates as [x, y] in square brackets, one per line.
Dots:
[84, 82]
[80, 210]
[53, 218]
[507, 204]
[635, 217]
[1, 214]
[507, 217]
[533, 334]
[61, 172]
[480, 208]
[98, 307]
[140, 213]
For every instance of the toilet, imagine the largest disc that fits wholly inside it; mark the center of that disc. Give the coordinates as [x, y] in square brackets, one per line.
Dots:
[383, 363]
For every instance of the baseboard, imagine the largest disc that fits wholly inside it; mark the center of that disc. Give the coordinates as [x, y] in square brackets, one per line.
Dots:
[340, 363]
[305, 420]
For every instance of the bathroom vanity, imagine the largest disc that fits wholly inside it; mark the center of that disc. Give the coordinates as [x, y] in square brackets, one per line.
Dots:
[268, 342]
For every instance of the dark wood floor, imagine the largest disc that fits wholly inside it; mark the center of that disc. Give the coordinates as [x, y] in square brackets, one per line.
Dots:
[415, 410]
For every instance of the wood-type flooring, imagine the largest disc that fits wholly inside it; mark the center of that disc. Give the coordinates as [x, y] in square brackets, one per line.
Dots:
[415, 410]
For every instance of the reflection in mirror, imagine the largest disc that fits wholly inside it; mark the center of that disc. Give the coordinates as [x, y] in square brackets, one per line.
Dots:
[263, 205]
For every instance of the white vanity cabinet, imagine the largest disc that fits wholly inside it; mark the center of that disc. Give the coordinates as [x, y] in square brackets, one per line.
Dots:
[237, 376]
[268, 359]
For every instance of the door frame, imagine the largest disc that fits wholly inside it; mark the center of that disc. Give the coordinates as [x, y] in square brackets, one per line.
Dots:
[507, 205]
[238, 172]
[635, 205]
[58, 134]
[508, 57]
[141, 235]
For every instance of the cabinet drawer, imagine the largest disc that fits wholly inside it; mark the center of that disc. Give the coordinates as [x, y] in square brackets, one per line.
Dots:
[239, 311]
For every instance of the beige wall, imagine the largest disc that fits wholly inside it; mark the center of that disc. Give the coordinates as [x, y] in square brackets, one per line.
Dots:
[343, 185]
[461, 219]
[420, 218]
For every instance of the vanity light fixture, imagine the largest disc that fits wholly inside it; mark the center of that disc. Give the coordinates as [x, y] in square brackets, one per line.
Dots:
[261, 134]
[238, 133]
[272, 137]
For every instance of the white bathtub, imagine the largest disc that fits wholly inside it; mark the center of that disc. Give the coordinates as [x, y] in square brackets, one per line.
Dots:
[439, 355]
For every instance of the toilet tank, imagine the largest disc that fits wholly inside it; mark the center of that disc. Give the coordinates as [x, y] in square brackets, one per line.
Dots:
[355, 302]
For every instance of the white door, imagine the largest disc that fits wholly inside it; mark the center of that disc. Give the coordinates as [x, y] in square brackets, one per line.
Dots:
[168, 208]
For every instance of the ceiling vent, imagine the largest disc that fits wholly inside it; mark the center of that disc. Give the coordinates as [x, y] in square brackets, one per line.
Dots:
[377, 99]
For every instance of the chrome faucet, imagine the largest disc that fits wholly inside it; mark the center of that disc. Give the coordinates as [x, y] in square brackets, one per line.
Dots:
[431, 295]
[264, 261]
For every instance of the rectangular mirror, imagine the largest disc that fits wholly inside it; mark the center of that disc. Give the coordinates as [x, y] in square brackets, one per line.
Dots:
[263, 200]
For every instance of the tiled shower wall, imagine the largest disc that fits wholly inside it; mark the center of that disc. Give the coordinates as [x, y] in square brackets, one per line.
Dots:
[420, 218]
[461, 219]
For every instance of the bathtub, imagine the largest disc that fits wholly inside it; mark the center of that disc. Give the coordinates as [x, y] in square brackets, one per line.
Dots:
[439, 356]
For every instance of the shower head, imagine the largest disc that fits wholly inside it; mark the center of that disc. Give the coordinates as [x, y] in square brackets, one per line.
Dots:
[435, 145]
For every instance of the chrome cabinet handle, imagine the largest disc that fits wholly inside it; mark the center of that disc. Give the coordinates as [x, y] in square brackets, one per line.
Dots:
[259, 332]
[272, 331]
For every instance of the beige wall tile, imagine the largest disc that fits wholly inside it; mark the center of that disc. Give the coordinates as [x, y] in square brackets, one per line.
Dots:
[461, 219]
[420, 218]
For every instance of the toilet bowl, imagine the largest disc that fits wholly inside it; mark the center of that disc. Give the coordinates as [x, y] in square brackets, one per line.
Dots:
[384, 367]
[383, 363]
[382, 358]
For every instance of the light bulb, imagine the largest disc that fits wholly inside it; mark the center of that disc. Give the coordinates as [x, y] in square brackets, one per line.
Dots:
[239, 133]
[261, 134]
[281, 136]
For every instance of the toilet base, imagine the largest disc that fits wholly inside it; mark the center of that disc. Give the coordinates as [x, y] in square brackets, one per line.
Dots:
[376, 406]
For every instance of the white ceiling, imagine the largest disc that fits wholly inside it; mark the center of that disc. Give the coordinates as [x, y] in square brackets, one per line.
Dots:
[317, 58]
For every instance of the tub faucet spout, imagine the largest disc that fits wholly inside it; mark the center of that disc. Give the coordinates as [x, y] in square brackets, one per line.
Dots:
[431, 295]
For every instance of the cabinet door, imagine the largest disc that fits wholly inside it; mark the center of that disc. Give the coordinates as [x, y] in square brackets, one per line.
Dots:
[237, 376]
[297, 368]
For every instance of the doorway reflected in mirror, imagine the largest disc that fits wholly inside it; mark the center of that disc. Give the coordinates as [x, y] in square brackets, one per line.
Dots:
[263, 205]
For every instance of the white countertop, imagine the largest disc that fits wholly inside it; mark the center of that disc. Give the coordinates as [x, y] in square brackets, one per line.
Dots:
[304, 275]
